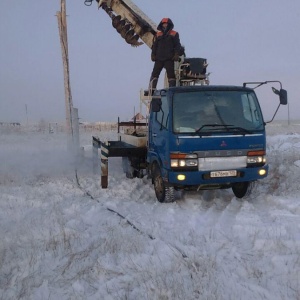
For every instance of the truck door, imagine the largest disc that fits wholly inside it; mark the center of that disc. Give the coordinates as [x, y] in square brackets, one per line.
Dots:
[159, 133]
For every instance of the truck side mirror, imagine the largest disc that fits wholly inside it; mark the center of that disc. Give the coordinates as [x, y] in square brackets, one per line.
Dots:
[156, 104]
[282, 95]
[282, 99]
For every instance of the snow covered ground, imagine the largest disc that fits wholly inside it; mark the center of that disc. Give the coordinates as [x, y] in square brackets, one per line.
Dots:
[59, 240]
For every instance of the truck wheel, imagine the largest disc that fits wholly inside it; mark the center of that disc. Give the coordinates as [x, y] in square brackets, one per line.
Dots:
[163, 193]
[242, 189]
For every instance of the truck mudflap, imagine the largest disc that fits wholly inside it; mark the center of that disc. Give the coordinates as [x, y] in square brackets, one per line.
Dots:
[113, 149]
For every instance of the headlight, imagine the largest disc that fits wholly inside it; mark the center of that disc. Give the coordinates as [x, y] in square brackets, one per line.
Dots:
[256, 158]
[183, 160]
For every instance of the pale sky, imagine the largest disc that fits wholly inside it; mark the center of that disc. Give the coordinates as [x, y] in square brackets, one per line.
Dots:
[254, 40]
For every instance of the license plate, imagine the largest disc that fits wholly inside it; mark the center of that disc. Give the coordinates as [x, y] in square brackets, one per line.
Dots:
[223, 173]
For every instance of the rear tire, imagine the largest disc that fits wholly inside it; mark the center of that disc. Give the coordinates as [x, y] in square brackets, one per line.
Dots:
[163, 193]
[242, 189]
[128, 169]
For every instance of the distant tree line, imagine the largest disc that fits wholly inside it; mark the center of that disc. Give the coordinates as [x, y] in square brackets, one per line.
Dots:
[52, 127]
[9, 124]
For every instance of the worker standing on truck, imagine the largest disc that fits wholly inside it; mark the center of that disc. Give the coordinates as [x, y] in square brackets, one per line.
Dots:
[166, 50]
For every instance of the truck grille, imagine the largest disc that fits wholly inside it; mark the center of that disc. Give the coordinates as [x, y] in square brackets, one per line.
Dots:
[221, 163]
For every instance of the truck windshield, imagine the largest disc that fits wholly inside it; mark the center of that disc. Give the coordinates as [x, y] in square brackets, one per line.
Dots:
[205, 112]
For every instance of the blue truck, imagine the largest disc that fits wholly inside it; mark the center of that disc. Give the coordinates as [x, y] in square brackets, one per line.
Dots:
[197, 137]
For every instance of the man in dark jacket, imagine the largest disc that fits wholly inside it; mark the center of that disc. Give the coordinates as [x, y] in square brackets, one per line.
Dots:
[165, 51]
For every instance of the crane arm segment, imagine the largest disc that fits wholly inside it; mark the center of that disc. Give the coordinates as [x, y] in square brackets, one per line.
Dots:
[130, 21]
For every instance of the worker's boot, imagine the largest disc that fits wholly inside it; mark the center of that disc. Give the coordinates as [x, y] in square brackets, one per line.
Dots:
[172, 82]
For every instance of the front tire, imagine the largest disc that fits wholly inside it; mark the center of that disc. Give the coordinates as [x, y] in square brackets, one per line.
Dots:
[242, 189]
[163, 192]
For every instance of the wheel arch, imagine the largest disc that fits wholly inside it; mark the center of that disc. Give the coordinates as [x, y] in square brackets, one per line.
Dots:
[155, 162]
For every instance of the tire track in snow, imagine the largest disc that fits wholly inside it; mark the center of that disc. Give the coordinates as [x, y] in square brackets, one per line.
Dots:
[131, 223]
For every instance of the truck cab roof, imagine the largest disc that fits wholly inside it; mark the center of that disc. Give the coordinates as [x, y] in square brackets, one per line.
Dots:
[203, 88]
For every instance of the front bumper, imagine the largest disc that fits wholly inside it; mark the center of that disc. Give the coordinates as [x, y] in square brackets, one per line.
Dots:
[194, 178]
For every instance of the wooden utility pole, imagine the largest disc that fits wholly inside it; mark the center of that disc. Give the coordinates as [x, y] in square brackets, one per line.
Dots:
[71, 113]
[62, 26]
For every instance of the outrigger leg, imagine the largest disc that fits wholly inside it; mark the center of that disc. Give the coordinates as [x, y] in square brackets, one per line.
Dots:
[104, 165]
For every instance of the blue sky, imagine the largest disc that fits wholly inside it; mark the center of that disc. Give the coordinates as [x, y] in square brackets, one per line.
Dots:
[254, 40]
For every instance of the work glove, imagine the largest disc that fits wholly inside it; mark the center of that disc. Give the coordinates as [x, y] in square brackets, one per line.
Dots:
[153, 58]
[176, 57]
